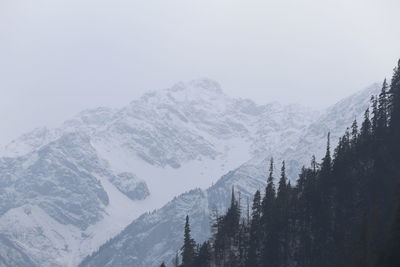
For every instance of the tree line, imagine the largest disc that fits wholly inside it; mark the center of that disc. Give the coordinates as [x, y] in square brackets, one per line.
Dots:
[343, 211]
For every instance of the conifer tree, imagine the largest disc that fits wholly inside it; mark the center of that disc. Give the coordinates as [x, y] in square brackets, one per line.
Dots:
[162, 265]
[382, 116]
[375, 115]
[269, 253]
[254, 251]
[282, 188]
[327, 160]
[188, 248]
[365, 131]
[282, 213]
[324, 206]
[270, 189]
[232, 218]
[226, 239]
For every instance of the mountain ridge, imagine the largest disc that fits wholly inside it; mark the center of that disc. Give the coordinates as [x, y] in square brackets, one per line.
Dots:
[172, 136]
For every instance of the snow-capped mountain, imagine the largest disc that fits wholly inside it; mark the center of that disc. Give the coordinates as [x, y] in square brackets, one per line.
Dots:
[156, 237]
[66, 191]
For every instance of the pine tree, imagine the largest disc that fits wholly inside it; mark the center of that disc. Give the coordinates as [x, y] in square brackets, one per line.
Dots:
[282, 188]
[326, 165]
[323, 206]
[232, 227]
[375, 115]
[232, 218]
[188, 248]
[270, 189]
[303, 206]
[162, 265]
[226, 239]
[269, 253]
[254, 251]
[382, 113]
[282, 213]
[366, 127]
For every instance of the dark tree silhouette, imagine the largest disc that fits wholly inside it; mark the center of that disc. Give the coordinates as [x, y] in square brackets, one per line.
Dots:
[342, 212]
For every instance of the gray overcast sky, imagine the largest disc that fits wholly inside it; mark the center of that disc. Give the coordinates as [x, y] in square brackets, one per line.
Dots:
[59, 57]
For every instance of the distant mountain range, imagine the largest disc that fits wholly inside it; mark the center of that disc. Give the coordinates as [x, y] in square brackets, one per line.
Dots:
[66, 191]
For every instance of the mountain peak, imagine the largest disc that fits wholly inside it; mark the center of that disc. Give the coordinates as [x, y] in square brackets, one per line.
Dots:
[203, 89]
[201, 84]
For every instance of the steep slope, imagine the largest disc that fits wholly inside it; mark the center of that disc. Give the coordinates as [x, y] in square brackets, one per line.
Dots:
[53, 197]
[334, 120]
[156, 237]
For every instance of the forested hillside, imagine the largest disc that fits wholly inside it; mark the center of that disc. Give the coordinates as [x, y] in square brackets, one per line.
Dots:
[343, 211]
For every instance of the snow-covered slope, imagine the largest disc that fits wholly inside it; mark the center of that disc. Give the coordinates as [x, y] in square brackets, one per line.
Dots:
[334, 120]
[65, 191]
[156, 236]
[53, 198]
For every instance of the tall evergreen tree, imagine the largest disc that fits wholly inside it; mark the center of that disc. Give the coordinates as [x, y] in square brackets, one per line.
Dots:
[282, 213]
[382, 115]
[269, 253]
[327, 160]
[375, 115]
[282, 188]
[270, 192]
[254, 253]
[232, 218]
[188, 248]
[226, 239]
[366, 127]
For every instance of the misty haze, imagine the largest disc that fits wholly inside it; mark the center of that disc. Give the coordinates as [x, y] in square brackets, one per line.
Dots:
[200, 133]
